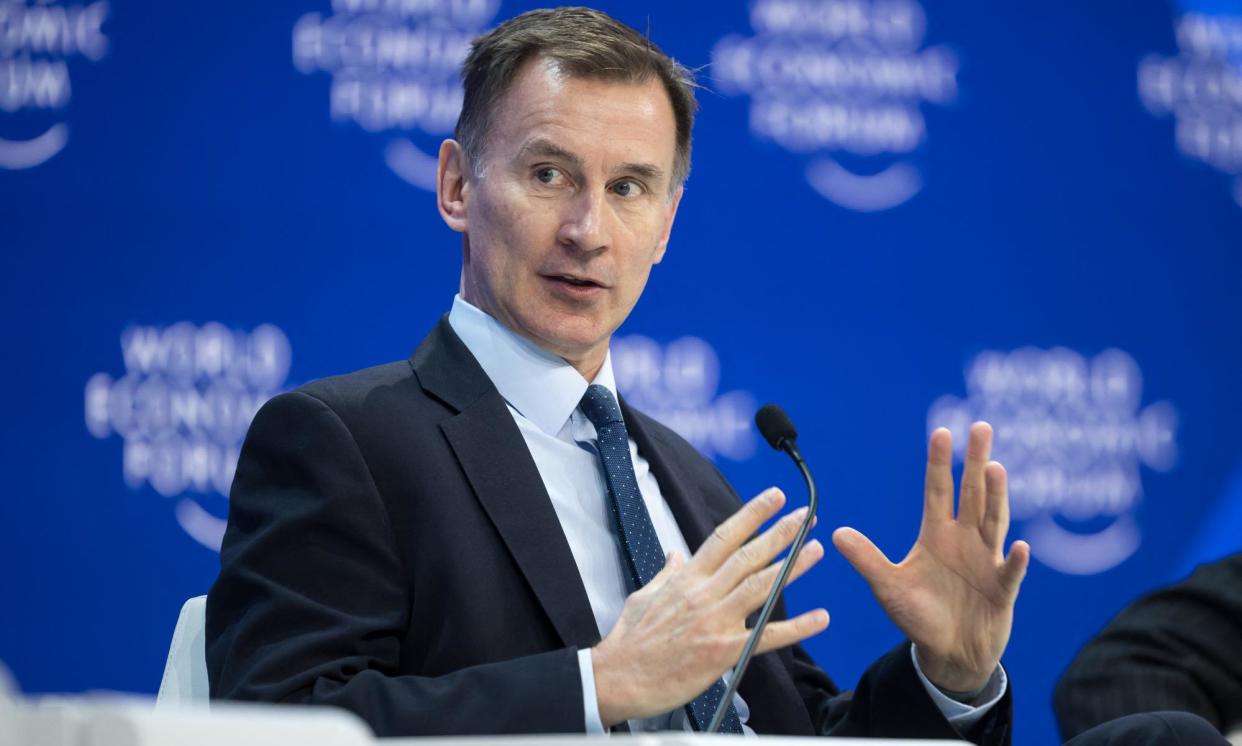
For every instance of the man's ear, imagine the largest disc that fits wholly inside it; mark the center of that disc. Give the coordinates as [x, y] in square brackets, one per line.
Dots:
[668, 224]
[451, 187]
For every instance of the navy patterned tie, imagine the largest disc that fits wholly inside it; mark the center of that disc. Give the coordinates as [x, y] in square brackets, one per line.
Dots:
[644, 556]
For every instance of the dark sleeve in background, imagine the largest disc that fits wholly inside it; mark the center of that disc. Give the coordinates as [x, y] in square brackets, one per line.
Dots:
[1179, 648]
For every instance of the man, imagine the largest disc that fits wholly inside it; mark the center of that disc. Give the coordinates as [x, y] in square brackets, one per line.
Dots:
[483, 539]
[1178, 648]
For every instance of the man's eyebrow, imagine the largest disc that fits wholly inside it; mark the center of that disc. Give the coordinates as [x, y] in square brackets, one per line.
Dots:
[543, 148]
[646, 171]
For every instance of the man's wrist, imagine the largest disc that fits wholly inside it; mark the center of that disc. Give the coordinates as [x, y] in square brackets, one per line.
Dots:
[608, 695]
[965, 697]
[951, 680]
[963, 715]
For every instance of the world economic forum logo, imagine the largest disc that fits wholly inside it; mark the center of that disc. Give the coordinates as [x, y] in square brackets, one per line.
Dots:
[678, 384]
[182, 408]
[394, 66]
[38, 40]
[841, 83]
[1074, 437]
[1201, 86]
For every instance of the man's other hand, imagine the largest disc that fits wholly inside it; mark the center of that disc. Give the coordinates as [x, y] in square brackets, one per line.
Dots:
[954, 593]
[684, 629]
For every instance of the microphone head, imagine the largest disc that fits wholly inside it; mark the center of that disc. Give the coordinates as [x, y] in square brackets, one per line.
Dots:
[775, 426]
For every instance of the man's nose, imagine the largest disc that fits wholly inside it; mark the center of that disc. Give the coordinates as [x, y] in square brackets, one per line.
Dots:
[585, 223]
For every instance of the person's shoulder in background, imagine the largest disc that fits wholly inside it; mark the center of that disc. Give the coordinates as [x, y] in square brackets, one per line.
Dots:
[1178, 648]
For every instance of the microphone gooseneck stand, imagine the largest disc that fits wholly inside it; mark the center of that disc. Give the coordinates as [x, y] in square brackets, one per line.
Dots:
[777, 429]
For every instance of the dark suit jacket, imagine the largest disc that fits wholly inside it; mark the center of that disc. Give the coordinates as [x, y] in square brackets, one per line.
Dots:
[391, 549]
[1179, 648]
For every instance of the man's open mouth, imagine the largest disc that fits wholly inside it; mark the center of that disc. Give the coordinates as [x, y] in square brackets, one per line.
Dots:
[576, 281]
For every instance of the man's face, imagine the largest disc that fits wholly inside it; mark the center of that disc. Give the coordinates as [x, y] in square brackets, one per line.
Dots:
[568, 210]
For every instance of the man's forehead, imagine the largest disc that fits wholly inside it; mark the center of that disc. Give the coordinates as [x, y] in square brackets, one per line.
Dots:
[543, 79]
[551, 112]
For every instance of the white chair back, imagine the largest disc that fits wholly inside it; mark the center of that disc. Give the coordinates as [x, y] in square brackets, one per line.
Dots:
[185, 673]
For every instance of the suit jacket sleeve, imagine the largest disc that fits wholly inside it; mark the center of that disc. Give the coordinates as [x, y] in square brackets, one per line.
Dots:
[1179, 648]
[312, 599]
[891, 702]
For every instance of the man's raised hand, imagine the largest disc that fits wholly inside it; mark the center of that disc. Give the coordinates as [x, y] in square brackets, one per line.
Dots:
[684, 629]
[954, 593]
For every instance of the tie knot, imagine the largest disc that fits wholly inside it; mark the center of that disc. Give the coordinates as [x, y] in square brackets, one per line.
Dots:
[599, 406]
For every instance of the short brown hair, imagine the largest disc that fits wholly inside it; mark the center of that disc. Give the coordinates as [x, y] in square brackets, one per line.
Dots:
[583, 43]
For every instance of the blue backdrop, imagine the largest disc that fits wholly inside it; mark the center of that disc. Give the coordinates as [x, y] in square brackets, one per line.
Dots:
[901, 214]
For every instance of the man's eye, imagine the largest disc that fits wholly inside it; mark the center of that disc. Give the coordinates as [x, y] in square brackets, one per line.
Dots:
[549, 175]
[627, 188]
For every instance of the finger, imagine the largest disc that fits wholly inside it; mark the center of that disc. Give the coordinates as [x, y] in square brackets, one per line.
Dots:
[754, 590]
[673, 561]
[758, 552]
[865, 556]
[938, 482]
[787, 632]
[996, 514]
[736, 529]
[971, 503]
[1014, 569]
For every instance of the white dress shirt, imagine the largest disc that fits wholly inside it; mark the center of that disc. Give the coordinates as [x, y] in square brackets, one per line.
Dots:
[542, 392]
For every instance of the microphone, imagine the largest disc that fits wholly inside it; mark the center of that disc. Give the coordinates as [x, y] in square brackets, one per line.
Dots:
[775, 427]
[780, 433]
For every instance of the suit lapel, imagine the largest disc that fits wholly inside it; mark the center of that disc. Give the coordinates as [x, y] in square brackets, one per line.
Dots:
[506, 481]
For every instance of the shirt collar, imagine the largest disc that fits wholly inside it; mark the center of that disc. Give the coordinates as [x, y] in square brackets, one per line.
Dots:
[542, 387]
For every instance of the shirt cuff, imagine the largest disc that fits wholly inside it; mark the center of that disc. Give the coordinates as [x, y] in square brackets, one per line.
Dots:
[590, 703]
[963, 716]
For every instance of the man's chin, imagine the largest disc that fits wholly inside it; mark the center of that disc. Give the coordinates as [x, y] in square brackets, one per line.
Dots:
[573, 341]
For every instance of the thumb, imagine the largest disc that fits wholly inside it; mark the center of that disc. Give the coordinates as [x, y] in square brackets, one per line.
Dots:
[1014, 569]
[865, 556]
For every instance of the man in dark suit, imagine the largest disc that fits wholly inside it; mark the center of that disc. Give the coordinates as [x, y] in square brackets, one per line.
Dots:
[474, 540]
[1178, 648]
